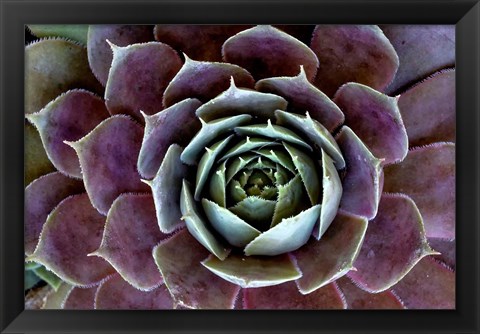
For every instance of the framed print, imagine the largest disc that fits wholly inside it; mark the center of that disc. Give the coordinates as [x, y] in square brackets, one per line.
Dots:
[240, 167]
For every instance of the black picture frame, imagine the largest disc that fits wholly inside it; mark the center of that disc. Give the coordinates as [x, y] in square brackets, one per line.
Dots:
[465, 14]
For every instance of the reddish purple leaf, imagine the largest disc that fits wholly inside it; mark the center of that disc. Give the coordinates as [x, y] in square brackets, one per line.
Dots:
[394, 243]
[204, 81]
[376, 119]
[362, 182]
[191, 284]
[131, 232]
[422, 49]
[428, 110]
[268, 52]
[108, 157]
[72, 231]
[331, 257]
[447, 251]
[80, 299]
[69, 117]
[99, 52]
[200, 42]
[359, 299]
[301, 32]
[41, 197]
[427, 175]
[116, 294]
[353, 53]
[176, 124]
[139, 75]
[429, 285]
[287, 297]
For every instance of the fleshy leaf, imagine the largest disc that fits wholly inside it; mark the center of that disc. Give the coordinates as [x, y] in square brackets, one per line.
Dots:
[286, 236]
[361, 185]
[235, 101]
[275, 132]
[108, 158]
[80, 299]
[116, 294]
[278, 156]
[328, 259]
[256, 211]
[427, 175]
[204, 81]
[432, 99]
[41, 197]
[236, 192]
[303, 96]
[53, 280]
[99, 52]
[166, 189]
[139, 75]
[217, 186]
[176, 124]
[447, 251]
[357, 299]
[429, 285]
[395, 242]
[207, 133]
[238, 164]
[196, 224]
[237, 232]
[253, 272]
[76, 32]
[54, 66]
[30, 279]
[246, 145]
[65, 243]
[287, 297]
[190, 284]
[316, 132]
[268, 52]
[56, 299]
[202, 42]
[375, 118]
[353, 53]
[130, 233]
[290, 200]
[69, 117]
[422, 49]
[332, 194]
[36, 160]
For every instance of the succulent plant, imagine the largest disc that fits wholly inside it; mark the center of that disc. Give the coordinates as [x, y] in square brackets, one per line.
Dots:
[252, 167]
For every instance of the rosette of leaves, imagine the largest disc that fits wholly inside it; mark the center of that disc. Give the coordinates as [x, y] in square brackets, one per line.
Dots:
[242, 167]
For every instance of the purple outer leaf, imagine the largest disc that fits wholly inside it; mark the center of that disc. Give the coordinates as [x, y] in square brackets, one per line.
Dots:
[268, 52]
[41, 197]
[429, 285]
[422, 49]
[130, 233]
[200, 42]
[176, 124]
[69, 117]
[36, 162]
[54, 66]
[432, 99]
[446, 248]
[80, 299]
[72, 231]
[376, 119]
[353, 53]
[331, 257]
[99, 52]
[362, 182]
[204, 81]
[303, 96]
[116, 294]
[108, 157]
[287, 297]
[358, 299]
[139, 75]
[427, 175]
[191, 284]
[395, 242]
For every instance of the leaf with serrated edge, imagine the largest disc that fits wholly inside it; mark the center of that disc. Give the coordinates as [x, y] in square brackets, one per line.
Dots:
[244, 177]
[289, 200]
[288, 235]
[236, 191]
[281, 176]
[315, 131]
[217, 186]
[253, 272]
[237, 232]
[278, 156]
[260, 164]
[237, 165]
[255, 211]
[196, 226]
[246, 145]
